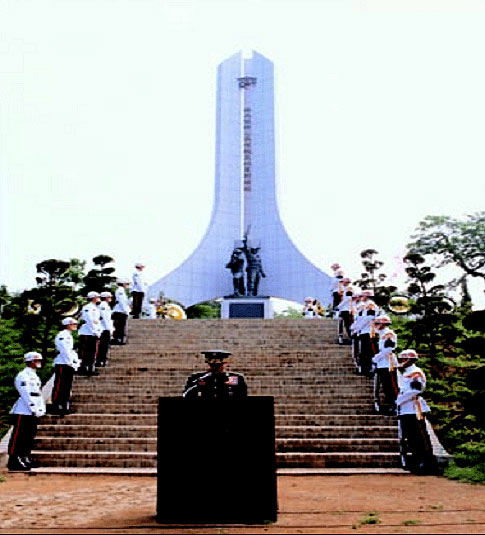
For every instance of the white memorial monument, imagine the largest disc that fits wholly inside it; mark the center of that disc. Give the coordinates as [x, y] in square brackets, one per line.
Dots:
[245, 212]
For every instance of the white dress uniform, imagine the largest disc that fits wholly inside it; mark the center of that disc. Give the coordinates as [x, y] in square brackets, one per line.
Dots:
[139, 284]
[65, 363]
[415, 443]
[409, 400]
[138, 291]
[120, 315]
[30, 402]
[64, 343]
[92, 321]
[105, 316]
[89, 334]
[122, 301]
[25, 417]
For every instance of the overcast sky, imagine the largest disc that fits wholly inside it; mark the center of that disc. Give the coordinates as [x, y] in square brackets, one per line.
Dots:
[107, 124]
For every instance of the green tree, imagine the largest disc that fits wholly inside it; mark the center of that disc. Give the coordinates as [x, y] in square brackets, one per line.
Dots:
[373, 278]
[206, 310]
[453, 241]
[100, 278]
[435, 327]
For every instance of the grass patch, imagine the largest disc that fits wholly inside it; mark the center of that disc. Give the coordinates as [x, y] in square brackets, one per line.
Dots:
[411, 522]
[466, 474]
[372, 518]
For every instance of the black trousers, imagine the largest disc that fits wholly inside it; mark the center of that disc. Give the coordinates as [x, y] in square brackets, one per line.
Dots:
[23, 435]
[386, 381]
[88, 348]
[137, 303]
[366, 352]
[416, 444]
[103, 348]
[119, 322]
[345, 321]
[61, 391]
[336, 300]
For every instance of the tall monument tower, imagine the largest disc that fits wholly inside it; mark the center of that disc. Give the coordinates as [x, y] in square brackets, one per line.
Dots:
[245, 197]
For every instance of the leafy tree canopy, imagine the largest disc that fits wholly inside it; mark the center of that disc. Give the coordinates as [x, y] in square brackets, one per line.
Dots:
[453, 241]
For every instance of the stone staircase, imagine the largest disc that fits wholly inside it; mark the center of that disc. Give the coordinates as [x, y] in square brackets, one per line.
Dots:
[324, 412]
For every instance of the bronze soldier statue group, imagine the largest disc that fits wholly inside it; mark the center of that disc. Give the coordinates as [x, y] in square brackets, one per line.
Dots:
[248, 254]
[399, 383]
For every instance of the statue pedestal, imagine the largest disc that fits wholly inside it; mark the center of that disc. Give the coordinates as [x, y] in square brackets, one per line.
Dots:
[247, 307]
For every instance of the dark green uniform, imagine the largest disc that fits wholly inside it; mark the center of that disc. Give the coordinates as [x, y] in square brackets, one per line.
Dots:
[216, 385]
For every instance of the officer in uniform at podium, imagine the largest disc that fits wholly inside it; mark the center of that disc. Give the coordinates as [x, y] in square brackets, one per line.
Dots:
[216, 382]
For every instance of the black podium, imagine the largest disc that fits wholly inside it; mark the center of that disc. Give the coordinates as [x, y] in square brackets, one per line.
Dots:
[216, 461]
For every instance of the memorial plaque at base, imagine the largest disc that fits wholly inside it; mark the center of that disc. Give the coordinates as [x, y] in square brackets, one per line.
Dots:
[216, 461]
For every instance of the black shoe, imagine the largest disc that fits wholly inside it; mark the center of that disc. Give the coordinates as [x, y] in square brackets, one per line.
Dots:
[16, 464]
[93, 373]
[82, 371]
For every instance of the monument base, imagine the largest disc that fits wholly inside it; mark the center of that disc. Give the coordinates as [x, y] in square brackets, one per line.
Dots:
[247, 307]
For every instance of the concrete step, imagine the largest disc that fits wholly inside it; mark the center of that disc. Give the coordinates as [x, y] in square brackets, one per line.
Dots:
[146, 431]
[176, 390]
[167, 380]
[92, 444]
[291, 420]
[149, 459]
[337, 460]
[310, 399]
[151, 408]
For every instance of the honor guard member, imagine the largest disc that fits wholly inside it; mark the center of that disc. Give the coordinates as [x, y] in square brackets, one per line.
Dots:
[89, 334]
[308, 310]
[336, 280]
[367, 332]
[107, 328]
[120, 312]
[345, 314]
[355, 331]
[385, 378]
[65, 364]
[216, 382]
[138, 290]
[416, 449]
[26, 413]
[151, 309]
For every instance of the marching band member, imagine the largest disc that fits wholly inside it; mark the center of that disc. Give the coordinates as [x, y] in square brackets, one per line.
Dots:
[385, 378]
[107, 328]
[26, 413]
[345, 312]
[335, 287]
[308, 309]
[416, 449]
[367, 330]
[138, 290]
[120, 312]
[65, 364]
[89, 334]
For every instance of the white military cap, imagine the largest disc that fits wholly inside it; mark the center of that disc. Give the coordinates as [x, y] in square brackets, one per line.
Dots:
[32, 355]
[408, 354]
[139, 265]
[307, 299]
[123, 281]
[92, 295]
[69, 321]
[105, 294]
[383, 319]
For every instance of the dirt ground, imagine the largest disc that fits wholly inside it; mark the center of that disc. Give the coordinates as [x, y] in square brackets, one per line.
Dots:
[310, 504]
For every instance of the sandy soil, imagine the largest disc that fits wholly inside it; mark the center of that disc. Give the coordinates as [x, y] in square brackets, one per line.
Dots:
[310, 504]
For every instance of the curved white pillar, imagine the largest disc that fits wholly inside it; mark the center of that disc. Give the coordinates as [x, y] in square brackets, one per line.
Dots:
[245, 197]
